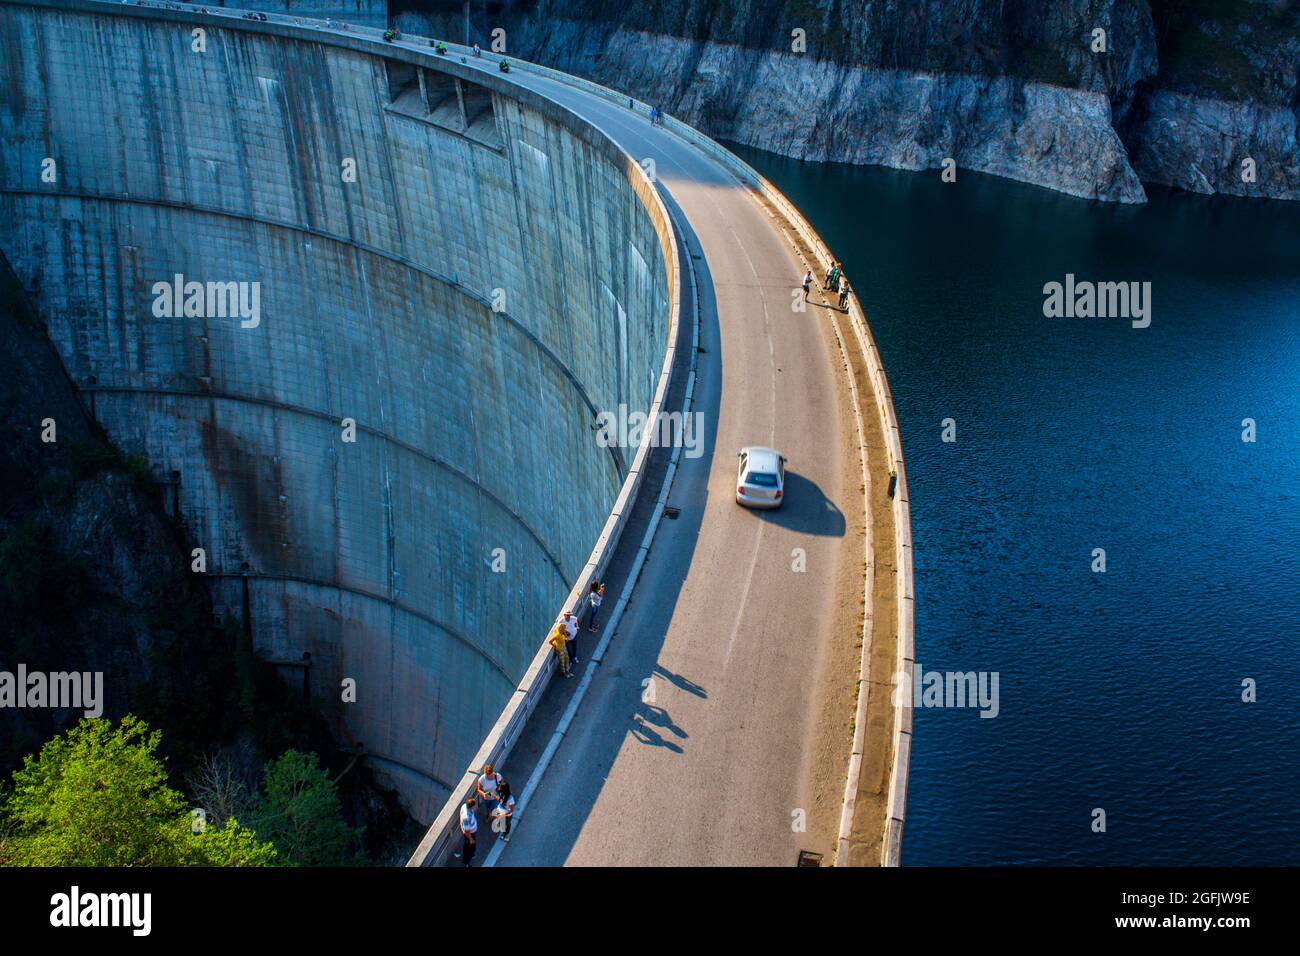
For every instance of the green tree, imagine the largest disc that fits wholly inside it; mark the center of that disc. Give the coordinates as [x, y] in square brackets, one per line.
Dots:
[98, 796]
[300, 812]
[230, 845]
[6, 827]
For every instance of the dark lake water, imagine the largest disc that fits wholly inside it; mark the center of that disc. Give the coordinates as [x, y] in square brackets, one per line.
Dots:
[1119, 690]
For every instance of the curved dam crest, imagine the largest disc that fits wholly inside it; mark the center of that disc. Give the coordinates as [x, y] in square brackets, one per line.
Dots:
[495, 274]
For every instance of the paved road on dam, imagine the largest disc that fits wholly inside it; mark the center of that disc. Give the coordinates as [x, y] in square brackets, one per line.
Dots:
[747, 721]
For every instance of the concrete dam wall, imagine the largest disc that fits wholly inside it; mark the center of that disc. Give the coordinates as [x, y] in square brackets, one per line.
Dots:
[463, 269]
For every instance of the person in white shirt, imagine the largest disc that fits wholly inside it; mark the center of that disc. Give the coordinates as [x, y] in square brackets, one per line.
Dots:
[504, 811]
[468, 827]
[570, 625]
[807, 284]
[488, 781]
[594, 599]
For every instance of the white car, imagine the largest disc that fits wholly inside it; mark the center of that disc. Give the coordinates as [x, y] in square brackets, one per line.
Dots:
[760, 478]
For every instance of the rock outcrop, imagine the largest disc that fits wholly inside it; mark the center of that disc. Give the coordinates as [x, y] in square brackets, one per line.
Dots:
[1221, 116]
[1208, 145]
[1181, 93]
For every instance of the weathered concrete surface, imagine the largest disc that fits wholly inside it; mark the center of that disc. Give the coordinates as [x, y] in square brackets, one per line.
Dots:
[473, 426]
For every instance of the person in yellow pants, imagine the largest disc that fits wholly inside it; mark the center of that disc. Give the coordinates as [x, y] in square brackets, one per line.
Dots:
[558, 640]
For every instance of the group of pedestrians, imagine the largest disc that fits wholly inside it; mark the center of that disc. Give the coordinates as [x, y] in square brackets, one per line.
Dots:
[492, 793]
[835, 282]
[564, 639]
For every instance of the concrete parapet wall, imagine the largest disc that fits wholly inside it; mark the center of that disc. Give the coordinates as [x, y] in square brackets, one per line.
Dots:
[443, 834]
[473, 423]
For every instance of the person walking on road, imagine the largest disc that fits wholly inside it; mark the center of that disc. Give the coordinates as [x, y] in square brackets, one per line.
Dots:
[807, 284]
[594, 599]
[468, 828]
[844, 293]
[557, 641]
[570, 625]
[486, 788]
[504, 811]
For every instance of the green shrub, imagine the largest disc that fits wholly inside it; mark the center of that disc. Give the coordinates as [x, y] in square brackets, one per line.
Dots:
[98, 796]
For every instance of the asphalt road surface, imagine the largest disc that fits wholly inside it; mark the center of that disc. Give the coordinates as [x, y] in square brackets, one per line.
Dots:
[699, 741]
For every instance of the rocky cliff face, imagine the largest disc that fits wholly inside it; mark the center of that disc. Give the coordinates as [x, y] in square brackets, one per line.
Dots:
[92, 570]
[1182, 93]
[1209, 145]
[95, 573]
[1223, 111]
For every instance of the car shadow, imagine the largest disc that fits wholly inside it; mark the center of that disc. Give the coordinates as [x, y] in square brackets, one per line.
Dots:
[806, 510]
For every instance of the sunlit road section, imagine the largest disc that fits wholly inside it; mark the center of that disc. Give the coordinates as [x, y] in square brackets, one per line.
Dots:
[716, 731]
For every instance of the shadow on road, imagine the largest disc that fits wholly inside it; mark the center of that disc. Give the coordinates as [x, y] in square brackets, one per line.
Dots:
[806, 509]
[682, 683]
[614, 714]
[658, 717]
